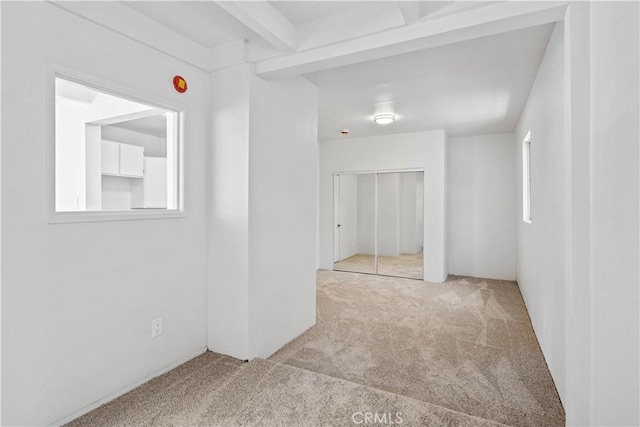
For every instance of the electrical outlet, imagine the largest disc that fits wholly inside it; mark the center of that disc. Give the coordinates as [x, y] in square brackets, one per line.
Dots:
[156, 327]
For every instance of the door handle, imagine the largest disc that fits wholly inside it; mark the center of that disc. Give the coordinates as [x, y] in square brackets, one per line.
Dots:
[339, 225]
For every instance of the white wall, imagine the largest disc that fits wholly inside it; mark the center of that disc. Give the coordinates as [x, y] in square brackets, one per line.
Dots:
[541, 244]
[426, 150]
[262, 224]
[1, 275]
[78, 299]
[283, 177]
[482, 206]
[228, 293]
[578, 260]
[615, 211]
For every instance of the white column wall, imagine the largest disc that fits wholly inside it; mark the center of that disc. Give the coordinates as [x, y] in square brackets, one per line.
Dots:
[578, 260]
[263, 203]
[615, 211]
[228, 293]
[283, 159]
[577, 393]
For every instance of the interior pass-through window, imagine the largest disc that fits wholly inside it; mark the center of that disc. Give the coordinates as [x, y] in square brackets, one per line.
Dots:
[113, 154]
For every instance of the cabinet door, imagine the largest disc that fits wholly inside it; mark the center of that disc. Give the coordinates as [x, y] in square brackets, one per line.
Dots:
[110, 152]
[155, 182]
[131, 160]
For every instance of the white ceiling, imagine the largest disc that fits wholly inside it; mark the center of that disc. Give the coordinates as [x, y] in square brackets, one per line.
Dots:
[201, 21]
[153, 125]
[299, 12]
[469, 88]
[436, 64]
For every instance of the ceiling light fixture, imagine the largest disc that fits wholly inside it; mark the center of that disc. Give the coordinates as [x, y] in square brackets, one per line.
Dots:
[384, 119]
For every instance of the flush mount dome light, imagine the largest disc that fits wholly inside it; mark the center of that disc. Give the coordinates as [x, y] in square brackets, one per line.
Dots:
[384, 119]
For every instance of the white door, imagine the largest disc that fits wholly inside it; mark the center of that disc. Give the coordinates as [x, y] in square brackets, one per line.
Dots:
[336, 218]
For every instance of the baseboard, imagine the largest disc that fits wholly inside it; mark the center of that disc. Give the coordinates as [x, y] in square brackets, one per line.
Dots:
[128, 388]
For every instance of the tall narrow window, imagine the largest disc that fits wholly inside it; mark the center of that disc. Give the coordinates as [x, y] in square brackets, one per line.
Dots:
[526, 178]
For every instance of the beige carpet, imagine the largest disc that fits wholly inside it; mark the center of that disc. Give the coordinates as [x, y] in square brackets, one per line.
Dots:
[357, 263]
[405, 265]
[466, 344]
[456, 354]
[214, 390]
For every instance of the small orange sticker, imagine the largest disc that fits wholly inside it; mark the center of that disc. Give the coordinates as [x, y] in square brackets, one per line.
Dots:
[180, 84]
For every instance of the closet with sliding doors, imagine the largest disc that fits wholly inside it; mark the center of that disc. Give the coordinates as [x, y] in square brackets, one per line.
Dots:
[379, 223]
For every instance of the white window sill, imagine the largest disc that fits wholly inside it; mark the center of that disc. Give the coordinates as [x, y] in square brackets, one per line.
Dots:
[99, 216]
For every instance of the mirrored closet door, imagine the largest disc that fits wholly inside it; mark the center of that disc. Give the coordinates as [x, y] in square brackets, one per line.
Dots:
[400, 224]
[379, 223]
[354, 223]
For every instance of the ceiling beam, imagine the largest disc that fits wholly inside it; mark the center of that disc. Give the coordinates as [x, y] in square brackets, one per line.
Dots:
[480, 22]
[265, 20]
[410, 11]
[436, 10]
[360, 19]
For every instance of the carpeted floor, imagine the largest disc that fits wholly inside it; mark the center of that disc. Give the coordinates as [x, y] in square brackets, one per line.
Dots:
[460, 353]
[466, 344]
[357, 263]
[405, 265]
[214, 390]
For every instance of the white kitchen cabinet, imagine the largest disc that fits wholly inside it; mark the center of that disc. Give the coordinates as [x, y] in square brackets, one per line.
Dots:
[110, 158]
[131, 161]
[124, 160]
[151, 192]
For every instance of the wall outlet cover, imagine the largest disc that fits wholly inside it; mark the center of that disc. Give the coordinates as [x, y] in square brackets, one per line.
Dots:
[156, 327]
